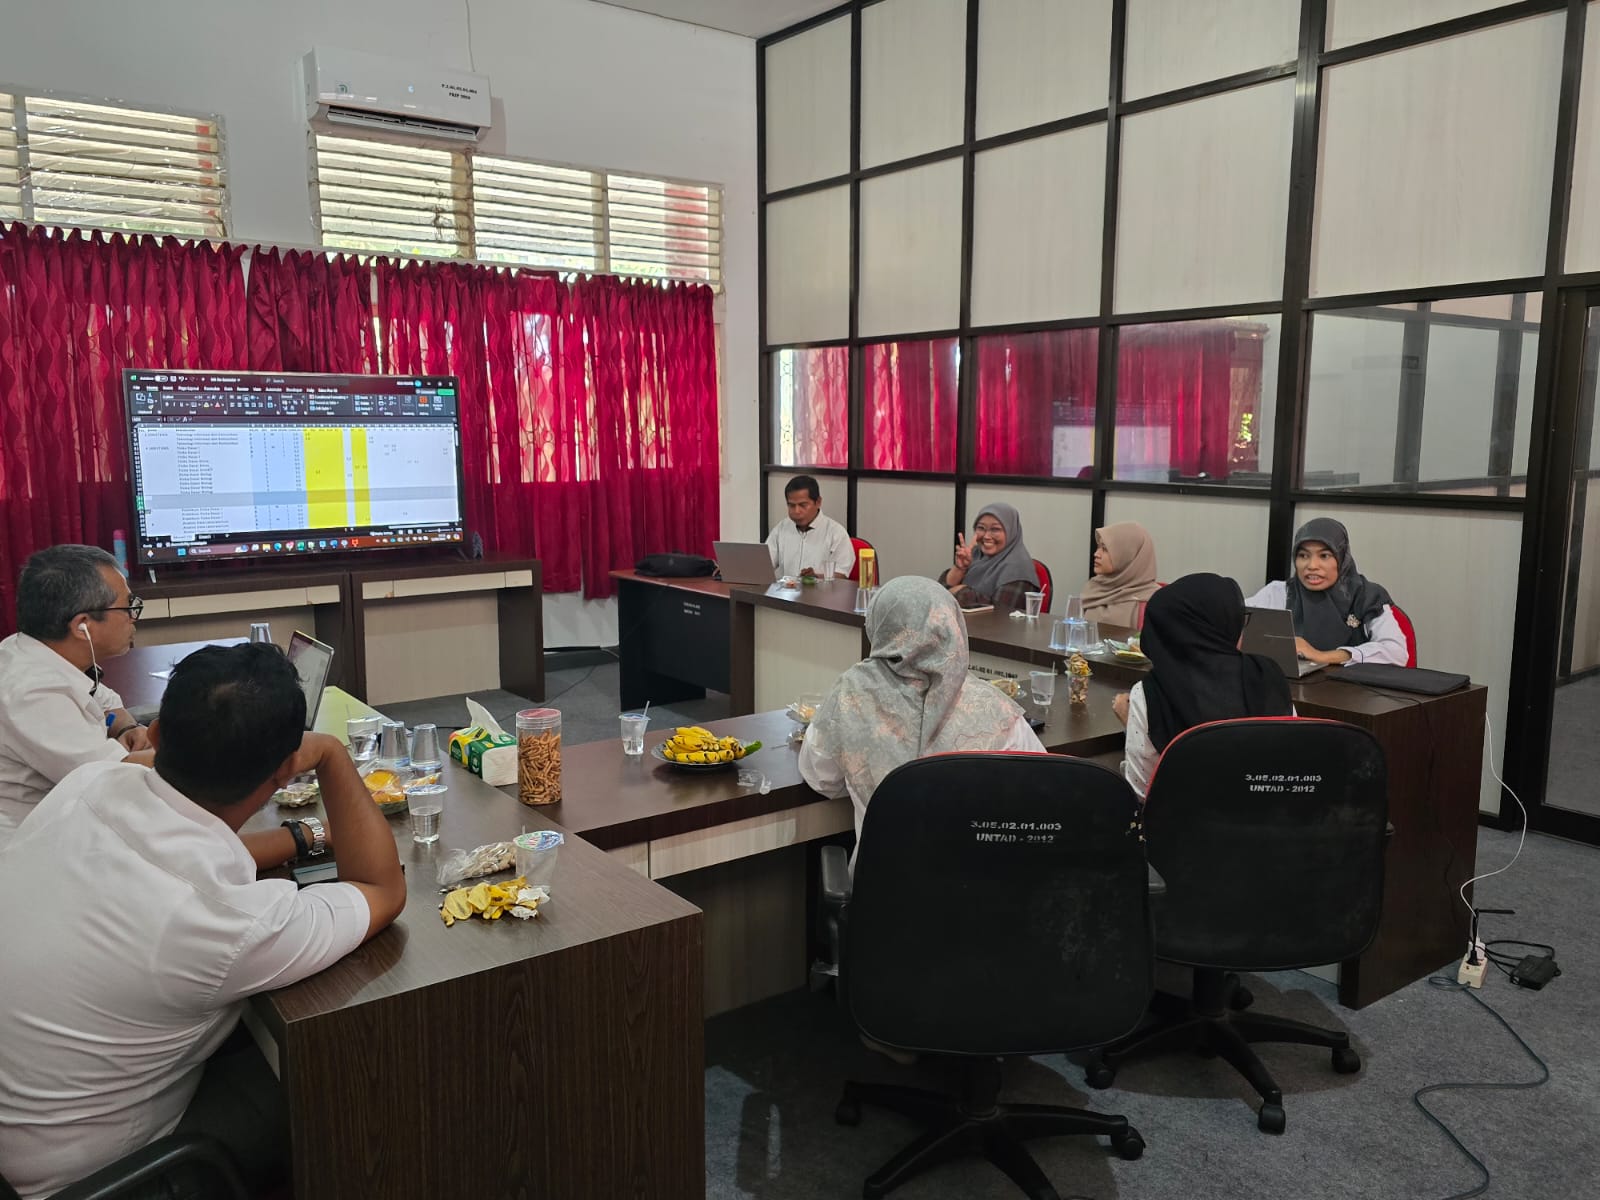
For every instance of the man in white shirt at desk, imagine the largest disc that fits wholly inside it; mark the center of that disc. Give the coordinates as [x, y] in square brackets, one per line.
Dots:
[73, 612]
[137, 927]
[808, 542]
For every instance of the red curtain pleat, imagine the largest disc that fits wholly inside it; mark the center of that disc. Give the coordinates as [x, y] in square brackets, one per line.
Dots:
[1177, 380]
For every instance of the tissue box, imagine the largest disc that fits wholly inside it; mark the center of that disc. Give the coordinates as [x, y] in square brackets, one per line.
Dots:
[487, 753]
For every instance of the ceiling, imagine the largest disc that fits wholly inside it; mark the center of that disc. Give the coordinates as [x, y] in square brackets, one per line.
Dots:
[752, 18]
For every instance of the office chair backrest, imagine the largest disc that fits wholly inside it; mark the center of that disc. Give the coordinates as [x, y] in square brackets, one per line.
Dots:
[1269, 835]
[1000, 906]
[1046, 585]
[1410, 632]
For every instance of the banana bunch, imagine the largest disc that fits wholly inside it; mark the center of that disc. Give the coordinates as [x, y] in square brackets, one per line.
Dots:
[692, 744]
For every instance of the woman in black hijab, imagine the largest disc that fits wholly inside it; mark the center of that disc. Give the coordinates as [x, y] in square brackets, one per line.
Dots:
[1340, 616]
[1198, 674]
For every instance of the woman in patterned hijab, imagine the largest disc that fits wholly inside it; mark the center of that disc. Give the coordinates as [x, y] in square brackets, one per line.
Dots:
[910, 698]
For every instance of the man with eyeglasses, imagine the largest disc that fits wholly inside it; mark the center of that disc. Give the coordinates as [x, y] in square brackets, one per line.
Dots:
[73, 612]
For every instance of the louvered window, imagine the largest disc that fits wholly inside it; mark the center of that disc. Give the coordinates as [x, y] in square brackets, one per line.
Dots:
[390, 198]
[70, 162]
[398, 199]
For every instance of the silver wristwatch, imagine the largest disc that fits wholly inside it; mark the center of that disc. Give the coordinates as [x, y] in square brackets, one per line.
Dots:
[319, 836]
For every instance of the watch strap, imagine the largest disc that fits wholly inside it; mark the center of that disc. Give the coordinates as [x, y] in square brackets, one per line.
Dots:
[300, 847]
[319, 836]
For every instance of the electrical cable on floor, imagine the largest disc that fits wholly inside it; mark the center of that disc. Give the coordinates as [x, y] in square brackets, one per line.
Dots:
[1441, 981]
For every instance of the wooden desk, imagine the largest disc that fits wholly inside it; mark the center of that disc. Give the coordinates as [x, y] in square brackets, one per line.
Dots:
[1434, 745]
[672, 638]
[562, 1056]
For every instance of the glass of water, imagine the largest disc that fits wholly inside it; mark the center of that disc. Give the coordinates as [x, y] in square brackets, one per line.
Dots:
[425, 801]
[362, 734]
[1043, 686]
[633, 727]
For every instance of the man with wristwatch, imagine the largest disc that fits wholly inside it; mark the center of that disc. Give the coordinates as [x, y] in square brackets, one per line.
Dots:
[138, 927]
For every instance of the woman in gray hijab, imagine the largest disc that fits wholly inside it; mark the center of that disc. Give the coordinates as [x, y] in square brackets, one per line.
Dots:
[910, 698]
[994, 567]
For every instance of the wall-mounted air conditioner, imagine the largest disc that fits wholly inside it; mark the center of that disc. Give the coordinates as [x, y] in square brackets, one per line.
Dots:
[368, 91]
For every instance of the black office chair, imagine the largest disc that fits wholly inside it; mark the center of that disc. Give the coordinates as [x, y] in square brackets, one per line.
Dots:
[1269, 836]
[200, 1162]
[1000, 908]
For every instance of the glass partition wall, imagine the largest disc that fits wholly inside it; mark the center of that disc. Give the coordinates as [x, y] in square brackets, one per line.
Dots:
[1217, 267]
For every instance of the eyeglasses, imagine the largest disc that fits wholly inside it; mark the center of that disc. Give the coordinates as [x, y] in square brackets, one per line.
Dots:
[133, 608]
[988, 529]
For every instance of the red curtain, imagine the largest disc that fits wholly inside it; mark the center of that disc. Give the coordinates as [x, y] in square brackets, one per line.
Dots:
[1175, 398]
[75, 309]
[910, 414]
[589, 410]
[309, 312]
[1028, 384]
[819, 385]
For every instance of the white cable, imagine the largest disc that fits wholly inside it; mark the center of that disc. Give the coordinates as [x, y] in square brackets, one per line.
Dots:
[1521, 841]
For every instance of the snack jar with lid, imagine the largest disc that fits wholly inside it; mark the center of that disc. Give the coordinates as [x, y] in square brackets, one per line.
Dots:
[539, 755]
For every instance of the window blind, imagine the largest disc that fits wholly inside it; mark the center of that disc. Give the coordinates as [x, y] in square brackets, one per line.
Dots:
[390, 199]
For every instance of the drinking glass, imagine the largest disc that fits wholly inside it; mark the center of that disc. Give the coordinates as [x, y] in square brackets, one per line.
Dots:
[1035, 602]
[392, 748]
[633, 727]
[425, 748]
[425, 801]
[1077, 635]
[362, 734]
[1092, 636]
[863, 599]
[1058, 635]
[1044, 686]
[1074, 608]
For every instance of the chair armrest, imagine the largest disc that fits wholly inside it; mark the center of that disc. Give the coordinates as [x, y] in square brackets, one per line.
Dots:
[129, 1174]
[836, 881]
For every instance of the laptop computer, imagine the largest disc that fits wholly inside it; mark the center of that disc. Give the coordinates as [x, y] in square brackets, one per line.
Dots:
[744, 562]
[312, 660]
[1270, 632]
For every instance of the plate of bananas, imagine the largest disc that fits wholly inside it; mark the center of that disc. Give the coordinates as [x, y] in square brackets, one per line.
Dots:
[695, 749]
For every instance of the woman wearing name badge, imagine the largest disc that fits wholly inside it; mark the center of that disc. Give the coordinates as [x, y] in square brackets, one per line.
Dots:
[1124, 576]
[1340, 616]
[909, 698]
[994, 568]
[1197, 673]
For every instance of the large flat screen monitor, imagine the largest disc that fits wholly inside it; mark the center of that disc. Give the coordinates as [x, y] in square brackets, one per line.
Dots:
[244, 465]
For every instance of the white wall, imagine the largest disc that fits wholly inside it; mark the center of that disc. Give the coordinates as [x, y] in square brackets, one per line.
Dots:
[574, 82]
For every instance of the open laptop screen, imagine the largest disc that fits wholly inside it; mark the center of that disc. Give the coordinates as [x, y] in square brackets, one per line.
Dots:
[312, 660]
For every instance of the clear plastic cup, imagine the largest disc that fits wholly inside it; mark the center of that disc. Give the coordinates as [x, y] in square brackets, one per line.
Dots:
[1043, 684]
[425, 802]
[425, 754]
[1058, 635]
[1074, 608]
[1035, 603]
[362, 734]
[1092, 634]
[393, 750]
[536, 857]
[1077, 635]
[633, 727]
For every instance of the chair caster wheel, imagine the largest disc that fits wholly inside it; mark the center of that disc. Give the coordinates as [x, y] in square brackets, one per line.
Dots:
[1346, 1061]
[1271, 1119]
[1128, 1144]
[848, 1110]
[1241, 999]
[1099, 1076]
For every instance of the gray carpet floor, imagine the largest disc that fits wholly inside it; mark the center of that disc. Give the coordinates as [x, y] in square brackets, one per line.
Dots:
[773, 1070]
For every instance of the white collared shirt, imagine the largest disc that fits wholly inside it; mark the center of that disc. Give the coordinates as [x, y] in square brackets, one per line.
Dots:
[135, 928]
[1386, 642]
[824, 547]
[49, 724]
